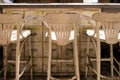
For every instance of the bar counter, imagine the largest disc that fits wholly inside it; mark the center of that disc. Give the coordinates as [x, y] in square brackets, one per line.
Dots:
[62, 5]
[103, 6]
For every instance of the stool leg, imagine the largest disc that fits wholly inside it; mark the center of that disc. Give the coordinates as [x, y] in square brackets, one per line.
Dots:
[111, 58]
[30, 54]
[17, 56]
[5, 61]
[98, 55]
[77, 72]
[76, 65]
[17, 62]
[49, 57]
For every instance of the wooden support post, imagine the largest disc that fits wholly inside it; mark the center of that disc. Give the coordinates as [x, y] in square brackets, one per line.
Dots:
[77, 72]
[30, 54]
[17, 54]
[111, 59]
[98, 53]
[49, 56]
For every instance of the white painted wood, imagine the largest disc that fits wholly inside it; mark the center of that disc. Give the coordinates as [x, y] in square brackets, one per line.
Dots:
[90, 1]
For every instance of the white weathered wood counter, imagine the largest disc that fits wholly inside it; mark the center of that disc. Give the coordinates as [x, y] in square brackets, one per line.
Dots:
[103, 6]
[53, 5]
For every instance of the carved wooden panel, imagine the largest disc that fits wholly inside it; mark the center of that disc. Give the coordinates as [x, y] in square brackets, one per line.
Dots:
[37, 64]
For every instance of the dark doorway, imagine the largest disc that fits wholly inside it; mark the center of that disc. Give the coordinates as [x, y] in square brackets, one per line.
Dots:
[105, 65]
[115, 1]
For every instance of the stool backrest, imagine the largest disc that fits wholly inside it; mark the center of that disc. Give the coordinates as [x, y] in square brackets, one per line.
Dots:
[110, 23]
[62, 24]
[8, 22]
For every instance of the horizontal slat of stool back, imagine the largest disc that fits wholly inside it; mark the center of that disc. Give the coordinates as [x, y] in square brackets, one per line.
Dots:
[109, 17]
[10, 18]
[62, 18]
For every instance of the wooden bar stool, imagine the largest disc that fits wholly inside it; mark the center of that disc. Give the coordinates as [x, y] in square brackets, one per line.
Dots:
[110, 23]
[106, 29]
[11, 31]
[62, 30]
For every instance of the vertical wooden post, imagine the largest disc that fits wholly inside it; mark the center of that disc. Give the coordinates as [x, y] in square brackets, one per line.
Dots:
[17, 54]
[49, 56]
[30, 54]
[111, 59]
[98, 52]
[77, 72]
